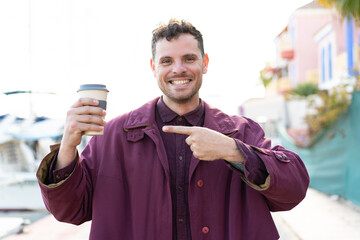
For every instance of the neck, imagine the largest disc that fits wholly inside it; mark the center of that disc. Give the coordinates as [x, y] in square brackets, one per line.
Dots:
[182, 108]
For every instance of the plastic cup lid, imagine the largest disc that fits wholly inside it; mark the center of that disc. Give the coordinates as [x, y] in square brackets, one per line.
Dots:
[99, 87]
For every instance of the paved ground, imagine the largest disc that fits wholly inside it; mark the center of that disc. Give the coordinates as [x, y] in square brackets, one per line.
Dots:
[48, 228]
[318, 217]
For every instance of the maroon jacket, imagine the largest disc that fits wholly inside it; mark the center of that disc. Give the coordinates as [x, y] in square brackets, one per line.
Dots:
[122, 184]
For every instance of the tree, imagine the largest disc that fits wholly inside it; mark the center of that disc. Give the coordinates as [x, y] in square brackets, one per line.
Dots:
[346, 8]
[351, 10]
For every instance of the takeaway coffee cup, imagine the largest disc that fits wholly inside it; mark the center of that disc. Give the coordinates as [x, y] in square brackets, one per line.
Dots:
[97, 91]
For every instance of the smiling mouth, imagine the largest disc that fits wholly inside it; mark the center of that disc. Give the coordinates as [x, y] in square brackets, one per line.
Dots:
[180, 82]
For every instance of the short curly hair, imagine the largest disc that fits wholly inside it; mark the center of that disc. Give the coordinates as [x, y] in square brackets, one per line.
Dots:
[173, 30]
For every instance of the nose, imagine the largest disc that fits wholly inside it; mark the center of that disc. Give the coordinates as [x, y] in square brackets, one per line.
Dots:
[179, 68]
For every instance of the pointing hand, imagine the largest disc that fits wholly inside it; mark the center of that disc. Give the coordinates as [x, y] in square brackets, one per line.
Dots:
[207, 144]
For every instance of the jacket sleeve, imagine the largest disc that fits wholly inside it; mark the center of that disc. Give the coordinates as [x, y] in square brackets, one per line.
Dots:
[56, 176]
[254, 170]
[69, 199]
[287, 180]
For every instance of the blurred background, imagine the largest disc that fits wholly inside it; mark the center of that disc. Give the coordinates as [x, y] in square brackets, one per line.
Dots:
[293, 66]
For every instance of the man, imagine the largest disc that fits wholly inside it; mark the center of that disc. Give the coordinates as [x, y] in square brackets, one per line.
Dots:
[176, 168]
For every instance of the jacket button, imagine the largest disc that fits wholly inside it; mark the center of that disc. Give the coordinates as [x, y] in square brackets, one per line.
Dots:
[205, 230]
[279, 156]
[200, 183]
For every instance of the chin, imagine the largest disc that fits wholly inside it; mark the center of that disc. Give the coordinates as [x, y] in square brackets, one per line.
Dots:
[182, 100]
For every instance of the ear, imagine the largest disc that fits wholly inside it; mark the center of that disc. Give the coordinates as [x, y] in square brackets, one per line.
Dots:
[205, 63]
[152, 65]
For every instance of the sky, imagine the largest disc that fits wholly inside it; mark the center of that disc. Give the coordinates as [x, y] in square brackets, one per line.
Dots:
[55, 46]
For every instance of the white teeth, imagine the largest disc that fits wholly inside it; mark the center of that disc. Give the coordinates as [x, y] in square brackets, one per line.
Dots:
[178, 82]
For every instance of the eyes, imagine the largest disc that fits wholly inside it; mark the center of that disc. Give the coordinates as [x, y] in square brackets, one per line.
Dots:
[190, 59]
[166, 61]
[187, 59]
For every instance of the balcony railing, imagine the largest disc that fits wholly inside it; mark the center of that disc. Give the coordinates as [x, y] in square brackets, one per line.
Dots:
[287, 54]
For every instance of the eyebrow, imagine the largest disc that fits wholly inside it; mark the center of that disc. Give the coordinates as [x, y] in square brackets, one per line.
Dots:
[186, 55]
[191, 55]
[164, 57]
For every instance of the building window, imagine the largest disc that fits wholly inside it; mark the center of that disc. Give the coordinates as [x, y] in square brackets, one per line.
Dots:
[322, 65]
[330, 62]
[292, 35]
[293, 72]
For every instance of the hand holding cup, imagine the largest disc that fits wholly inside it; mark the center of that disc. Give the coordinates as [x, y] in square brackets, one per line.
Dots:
[98, 92]
[86, 116]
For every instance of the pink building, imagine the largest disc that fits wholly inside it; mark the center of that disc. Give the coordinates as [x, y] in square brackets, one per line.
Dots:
[338, 51]
[296, 50]
[317, 45]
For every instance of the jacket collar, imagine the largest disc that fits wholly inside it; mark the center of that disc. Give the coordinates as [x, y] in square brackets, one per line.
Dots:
[219, 121]
[215, 119]
[142, 117]
[167, 115]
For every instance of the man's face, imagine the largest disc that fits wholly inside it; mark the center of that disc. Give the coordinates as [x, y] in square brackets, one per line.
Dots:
[178, 67]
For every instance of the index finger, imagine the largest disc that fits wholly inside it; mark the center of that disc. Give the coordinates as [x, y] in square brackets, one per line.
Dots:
[179, 129]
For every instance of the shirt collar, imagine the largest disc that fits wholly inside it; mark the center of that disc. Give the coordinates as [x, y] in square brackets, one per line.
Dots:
[167, 115]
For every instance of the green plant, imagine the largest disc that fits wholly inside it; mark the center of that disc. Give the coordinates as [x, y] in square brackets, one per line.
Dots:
[303, 90]
[266, 77]
[333, 104]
